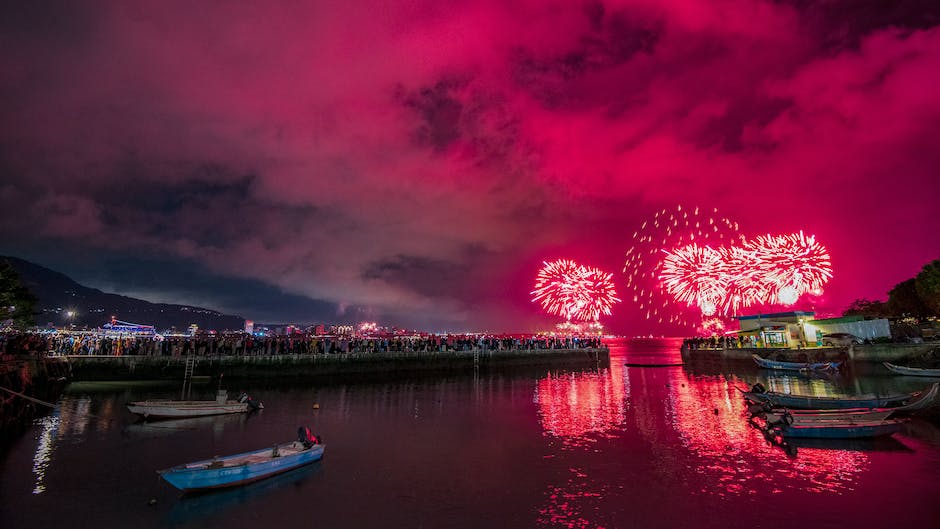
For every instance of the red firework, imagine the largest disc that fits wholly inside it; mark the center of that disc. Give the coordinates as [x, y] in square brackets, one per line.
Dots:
[575, 292]
[696, 275]
[793, 264]
[763, 271]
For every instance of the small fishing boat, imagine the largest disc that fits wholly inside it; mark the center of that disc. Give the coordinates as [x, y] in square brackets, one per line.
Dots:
[178, 409]
[906, 402]
[839, 431]
[912, 371]
[239, 469]
[826, 417]
[794, 366]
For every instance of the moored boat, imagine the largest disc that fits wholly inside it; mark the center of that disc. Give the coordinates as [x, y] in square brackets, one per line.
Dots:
[178, 409]
[905, 402]
[912, 371]
[794, 366]
[839, 431]
[239, 469]
[826, 417]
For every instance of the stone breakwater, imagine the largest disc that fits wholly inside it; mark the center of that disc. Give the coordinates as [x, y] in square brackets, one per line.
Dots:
[317, 365]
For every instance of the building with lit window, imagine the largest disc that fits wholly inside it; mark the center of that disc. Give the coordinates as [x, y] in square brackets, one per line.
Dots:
[802, 329]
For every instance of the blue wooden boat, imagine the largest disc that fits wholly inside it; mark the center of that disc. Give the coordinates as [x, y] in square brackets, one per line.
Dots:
[840, 431]
[239, 469]
[794, 366]
[906, 402]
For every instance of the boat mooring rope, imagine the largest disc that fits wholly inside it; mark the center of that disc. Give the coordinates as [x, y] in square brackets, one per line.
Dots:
[51, 405]
[27, 397]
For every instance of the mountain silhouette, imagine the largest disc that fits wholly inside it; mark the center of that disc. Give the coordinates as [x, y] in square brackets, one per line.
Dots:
[57, 295]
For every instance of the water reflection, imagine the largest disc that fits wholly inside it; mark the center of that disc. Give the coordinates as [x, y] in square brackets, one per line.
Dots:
[709, 415]
[43, 455]
[573, 504]
[217, 423]
[580, 408]
[195, 507]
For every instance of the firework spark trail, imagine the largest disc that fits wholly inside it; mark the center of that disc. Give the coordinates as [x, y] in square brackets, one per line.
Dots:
[575, 292]
[671, 228]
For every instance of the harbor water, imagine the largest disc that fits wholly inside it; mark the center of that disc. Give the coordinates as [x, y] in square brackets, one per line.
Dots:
[613, 447]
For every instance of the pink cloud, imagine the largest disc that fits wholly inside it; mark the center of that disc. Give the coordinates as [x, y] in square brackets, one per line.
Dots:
[310, 147]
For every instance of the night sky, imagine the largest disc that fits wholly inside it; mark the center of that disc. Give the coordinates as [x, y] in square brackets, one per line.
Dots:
[414, 163]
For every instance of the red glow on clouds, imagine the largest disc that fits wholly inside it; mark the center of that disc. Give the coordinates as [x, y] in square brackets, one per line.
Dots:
[419, 160]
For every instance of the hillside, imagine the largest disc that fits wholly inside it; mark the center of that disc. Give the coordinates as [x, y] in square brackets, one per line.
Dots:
[57, 294]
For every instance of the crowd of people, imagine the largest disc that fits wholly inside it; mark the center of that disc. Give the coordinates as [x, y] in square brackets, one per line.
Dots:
[247, 344]
[721, 342]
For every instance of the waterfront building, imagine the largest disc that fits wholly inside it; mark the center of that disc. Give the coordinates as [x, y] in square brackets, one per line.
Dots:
[801, 329]
[779, 329]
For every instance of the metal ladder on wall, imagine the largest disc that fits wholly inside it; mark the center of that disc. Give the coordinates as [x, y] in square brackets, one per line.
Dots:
[188, 375]
[190, 365]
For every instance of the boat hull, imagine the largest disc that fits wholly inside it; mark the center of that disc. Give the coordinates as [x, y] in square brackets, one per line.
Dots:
[853, 431]
[783, 400]
[793, 366]
[906, 403]
[170, 409]
[239, 469]
[912, 371]
[828, 418]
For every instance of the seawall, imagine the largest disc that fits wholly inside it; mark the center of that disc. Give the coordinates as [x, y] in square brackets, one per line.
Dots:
[316, 365]
[874, 353]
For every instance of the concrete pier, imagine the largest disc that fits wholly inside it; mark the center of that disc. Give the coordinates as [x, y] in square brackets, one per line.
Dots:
[871, 353]
[312, 365]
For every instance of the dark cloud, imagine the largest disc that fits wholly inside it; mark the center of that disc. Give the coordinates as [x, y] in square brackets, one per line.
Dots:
[419, 165]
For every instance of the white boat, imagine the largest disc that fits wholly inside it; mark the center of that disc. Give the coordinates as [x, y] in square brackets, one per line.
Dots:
[177, 409]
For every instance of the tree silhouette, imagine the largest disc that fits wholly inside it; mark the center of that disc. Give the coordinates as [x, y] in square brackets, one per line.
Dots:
[903, 301]
[16, 302]
[927, 285]
[865, 307]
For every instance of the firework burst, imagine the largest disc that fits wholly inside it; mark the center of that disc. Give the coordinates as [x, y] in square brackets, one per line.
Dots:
[766, 270]
[794, 264]
[575, 292]
[696, 275]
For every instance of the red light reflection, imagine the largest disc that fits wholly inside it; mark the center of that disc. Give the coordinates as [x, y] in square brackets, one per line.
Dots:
[568, 505]
[709, 415]
[580, 408]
